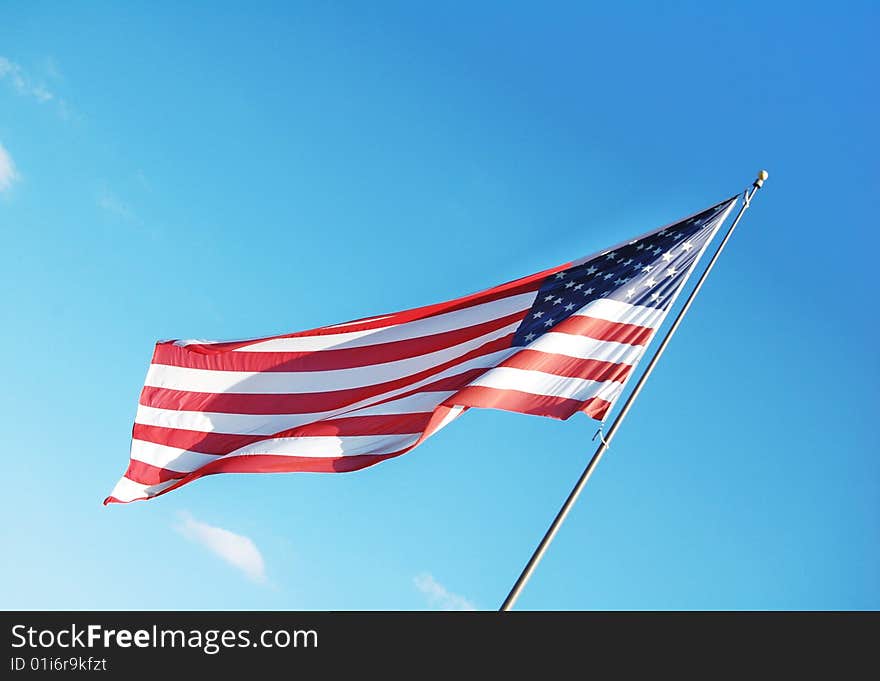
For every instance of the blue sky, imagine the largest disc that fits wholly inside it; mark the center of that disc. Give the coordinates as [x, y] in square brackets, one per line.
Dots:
[237, 171]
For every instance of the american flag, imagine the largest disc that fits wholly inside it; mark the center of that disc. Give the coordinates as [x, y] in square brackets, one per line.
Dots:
[344, 397]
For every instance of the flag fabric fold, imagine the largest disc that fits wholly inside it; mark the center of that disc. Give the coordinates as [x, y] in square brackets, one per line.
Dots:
[344, 397]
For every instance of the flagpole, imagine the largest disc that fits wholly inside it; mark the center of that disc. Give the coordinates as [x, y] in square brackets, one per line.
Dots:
[606, 440]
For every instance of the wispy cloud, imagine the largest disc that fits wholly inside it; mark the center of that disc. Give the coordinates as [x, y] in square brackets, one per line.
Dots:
[22, 82]
[235, 549]
[50, 66]
[8, 173]
[112, 204]
[438, 596]
[26, 85]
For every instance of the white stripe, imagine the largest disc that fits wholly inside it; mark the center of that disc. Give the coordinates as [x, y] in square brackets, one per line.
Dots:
[267, 424]
[208, 422]
[624, 313]
[582, 347]
[411, 404]
[192, 341]
[451, 415]
[290, 382]
[448, 321]
[334, 338]
[172, 458]
[129, 490]
[540, 383]
[330, 446]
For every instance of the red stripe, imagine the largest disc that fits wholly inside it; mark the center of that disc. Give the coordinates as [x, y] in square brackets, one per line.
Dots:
[450, 383]
[223, 443]
[523, 285]
[602, 329]
[192, 440]
[323, 360]
[471, 396]
[596, 408]
[147, 474]
[571, 367]
[440, 413]
[297, 403]
[515, 400]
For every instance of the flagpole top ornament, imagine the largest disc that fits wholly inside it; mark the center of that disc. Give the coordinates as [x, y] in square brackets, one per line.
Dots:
[762, 175]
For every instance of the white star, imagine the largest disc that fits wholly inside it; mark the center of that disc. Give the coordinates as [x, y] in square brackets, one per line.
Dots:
[618, 281]
[650, 283]
[538, 315]
[529, 337]
[672, 271]
[549, 322]
[627, 261]
[560, 275]
[579, 286]
[550, 297]
[611, 255]
[608, 276]
[557, 301]
[667, 256]
[630, 293]
[656, 297]
[647, 269]
[676, 236]
[637, 266]
[569, 284]
[687, 246]
[640, 247]
[662, 232]
[591, 270]
[569, 307]
[588, 291]
[658, 251]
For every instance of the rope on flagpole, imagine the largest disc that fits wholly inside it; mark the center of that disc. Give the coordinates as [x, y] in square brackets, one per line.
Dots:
[606, 439]
[601, 435]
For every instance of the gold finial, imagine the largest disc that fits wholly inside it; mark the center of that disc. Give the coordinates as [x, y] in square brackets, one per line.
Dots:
[762, 175]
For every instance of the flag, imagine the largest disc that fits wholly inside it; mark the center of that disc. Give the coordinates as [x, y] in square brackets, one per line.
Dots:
[344, 397]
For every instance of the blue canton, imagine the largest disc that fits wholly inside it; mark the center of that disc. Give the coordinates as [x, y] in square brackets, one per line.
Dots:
[647, 271]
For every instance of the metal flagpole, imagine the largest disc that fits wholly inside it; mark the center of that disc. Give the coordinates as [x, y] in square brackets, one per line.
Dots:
[606, 440]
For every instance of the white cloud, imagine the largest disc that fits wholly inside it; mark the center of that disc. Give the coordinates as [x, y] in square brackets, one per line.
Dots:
[8, 173]
[235, 549]
[50, 66]
[110, 203]
[439, 596]
[26, 86]
[21, 82]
